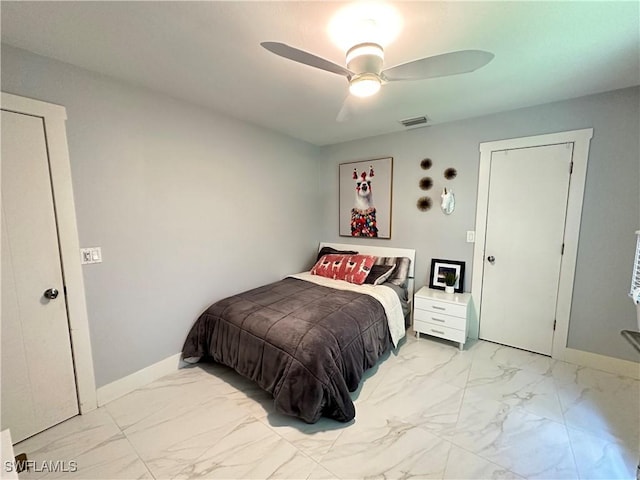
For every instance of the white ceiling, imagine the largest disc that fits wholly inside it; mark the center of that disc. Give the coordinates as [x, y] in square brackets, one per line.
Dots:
[209, 53]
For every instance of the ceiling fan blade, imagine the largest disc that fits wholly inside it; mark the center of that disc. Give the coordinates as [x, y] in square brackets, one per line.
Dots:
[307, 58]
[454, 63]
[346, 112]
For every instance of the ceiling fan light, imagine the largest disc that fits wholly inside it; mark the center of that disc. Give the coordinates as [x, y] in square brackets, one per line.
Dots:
[364, 85]
[361, 22]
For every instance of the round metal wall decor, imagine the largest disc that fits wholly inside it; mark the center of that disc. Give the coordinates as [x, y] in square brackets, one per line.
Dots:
[424, 204]
[426, 164]
[426, 183]
[450, 173]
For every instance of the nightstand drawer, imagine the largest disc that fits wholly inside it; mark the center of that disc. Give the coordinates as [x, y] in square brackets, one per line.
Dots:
[459, 323]
[440, 307]
[440, 331]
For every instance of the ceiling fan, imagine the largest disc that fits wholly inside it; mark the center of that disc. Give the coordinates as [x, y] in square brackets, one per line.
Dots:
[364, 66]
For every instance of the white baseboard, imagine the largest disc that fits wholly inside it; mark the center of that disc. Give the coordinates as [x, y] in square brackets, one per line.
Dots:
[117, 389]
[138, 379]
[601, 362]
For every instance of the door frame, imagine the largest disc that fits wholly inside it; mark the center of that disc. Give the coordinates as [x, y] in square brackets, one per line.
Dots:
[581, 141]
[54, 118]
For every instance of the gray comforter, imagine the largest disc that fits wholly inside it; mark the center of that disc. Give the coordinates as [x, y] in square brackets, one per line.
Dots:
[306, 344]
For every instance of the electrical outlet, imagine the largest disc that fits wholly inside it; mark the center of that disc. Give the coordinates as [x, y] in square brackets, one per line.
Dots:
[471, 236]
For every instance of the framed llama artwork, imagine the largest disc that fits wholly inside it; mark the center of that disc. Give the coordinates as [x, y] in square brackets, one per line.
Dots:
[365, 198]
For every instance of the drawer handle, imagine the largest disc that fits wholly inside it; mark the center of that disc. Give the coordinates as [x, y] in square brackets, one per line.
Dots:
[438, 319]
[437, 331]
[435, 307]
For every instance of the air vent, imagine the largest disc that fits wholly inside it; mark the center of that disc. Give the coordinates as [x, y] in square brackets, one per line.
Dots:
[414, 122]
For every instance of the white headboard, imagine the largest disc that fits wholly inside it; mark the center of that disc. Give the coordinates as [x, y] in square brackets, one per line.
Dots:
[380, 252]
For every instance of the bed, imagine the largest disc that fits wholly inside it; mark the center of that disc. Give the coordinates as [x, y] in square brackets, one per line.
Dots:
[308, 339]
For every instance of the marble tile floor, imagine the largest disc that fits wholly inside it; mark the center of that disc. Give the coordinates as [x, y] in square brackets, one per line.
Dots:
[426, 410]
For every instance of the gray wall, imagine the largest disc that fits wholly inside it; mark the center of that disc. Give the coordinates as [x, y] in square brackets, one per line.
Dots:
[601, 307]
[188, 206]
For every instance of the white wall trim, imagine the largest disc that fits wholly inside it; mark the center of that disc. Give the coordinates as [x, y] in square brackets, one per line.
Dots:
[138, 379]
[581, 140]
[596, 361]
[54, 117]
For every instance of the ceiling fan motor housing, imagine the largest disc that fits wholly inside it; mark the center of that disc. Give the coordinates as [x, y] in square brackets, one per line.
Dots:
[365, 58]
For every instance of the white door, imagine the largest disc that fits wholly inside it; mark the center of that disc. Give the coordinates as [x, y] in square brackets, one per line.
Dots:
[37, 378]
[523, 245]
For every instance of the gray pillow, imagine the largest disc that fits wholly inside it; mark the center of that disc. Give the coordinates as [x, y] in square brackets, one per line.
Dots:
[332, 251]
[400, 274]
[379, 274]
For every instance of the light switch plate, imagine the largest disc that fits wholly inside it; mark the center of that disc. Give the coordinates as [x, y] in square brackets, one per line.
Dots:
[90, 255]
[471, 236]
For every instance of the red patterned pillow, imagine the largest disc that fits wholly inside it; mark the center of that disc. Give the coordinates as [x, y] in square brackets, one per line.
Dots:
[350, 268]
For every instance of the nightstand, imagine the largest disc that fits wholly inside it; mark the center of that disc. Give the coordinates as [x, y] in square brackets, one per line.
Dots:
[440, 314]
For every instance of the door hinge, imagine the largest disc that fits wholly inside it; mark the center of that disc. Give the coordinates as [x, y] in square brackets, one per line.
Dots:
[554, 325]
[64, 289]
[571, 168]
[562, 250]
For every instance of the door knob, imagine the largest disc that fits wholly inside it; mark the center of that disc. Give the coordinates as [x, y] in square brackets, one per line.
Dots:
[491, 259]
[51, 294]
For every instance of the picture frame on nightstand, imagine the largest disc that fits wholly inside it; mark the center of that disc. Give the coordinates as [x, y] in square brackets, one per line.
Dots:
[440, 267]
